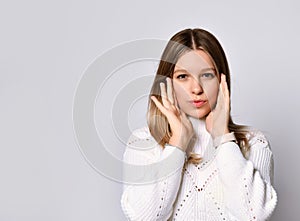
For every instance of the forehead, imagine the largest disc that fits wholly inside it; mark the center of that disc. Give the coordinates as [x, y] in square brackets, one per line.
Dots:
[194, 61]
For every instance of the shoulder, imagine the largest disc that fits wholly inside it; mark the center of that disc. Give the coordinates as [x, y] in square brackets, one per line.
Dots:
[141, 133]
[260, 154]
[258, 141]
[141, 147]
[141, 139]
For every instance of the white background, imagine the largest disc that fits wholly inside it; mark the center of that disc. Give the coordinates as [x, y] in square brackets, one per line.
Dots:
[45, 46]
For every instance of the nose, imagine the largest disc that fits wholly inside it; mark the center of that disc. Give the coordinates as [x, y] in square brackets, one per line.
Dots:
[196, 87]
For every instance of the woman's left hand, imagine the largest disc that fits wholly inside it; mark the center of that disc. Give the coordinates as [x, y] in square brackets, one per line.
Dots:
[217, 120]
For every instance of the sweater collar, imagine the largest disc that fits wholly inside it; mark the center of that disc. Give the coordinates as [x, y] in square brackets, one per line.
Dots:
[203, 136]
[198, 124]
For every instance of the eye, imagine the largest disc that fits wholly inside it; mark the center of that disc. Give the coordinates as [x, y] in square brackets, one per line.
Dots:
[181, 76]
[208, 75]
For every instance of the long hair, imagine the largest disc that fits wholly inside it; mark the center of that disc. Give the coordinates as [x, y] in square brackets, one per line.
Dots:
[182, 42]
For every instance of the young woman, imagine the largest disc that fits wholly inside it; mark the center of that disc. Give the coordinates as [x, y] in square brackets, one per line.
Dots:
[224, 171]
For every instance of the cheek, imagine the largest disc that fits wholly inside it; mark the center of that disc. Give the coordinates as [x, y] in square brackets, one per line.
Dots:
[180, 95]
[180, 92]
[212, 94]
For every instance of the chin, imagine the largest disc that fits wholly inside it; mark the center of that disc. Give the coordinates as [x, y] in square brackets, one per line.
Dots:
[199, 114]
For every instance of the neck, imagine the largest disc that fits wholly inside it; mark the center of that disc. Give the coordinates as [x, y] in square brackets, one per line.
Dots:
[203, 136]
[198, 124]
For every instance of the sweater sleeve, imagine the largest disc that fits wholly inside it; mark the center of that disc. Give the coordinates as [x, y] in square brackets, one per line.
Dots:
[150, 197]
[248, 190]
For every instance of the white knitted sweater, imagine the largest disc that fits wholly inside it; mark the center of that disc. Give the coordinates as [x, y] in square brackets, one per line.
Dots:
[224, 186]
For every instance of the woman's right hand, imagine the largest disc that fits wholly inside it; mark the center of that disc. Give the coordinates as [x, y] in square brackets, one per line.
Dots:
[181, 127]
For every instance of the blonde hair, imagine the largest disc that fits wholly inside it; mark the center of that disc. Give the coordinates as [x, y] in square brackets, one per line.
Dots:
[180, 43]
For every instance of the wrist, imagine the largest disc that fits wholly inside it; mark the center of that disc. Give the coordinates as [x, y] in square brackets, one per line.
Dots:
[228, 137]
[176, 143]
[218, 133]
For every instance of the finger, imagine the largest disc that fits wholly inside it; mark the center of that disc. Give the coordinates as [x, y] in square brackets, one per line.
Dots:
[185, 118]
[170, 90]
[183, 115]
[225, 91]
[164, 94]
[224, 83]
[220, 98]
[169, 115]
[159, 105]
[176, 104]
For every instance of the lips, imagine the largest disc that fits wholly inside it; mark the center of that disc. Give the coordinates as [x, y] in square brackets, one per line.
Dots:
[198, 103]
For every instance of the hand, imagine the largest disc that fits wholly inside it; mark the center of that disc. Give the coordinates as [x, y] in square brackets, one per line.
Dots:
[181, 127]
[217, 120]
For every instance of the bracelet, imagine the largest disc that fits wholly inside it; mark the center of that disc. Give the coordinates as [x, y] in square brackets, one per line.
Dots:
[224, 139]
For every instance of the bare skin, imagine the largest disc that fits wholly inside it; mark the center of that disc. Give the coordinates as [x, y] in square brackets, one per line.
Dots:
[181, 127]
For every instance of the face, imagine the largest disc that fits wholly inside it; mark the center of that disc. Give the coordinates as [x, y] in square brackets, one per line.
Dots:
[196, 83]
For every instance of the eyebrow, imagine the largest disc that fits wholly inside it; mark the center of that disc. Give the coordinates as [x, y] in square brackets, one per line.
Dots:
[202, 70]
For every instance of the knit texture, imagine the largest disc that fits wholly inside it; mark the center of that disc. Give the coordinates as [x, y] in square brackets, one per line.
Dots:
[224, 186]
